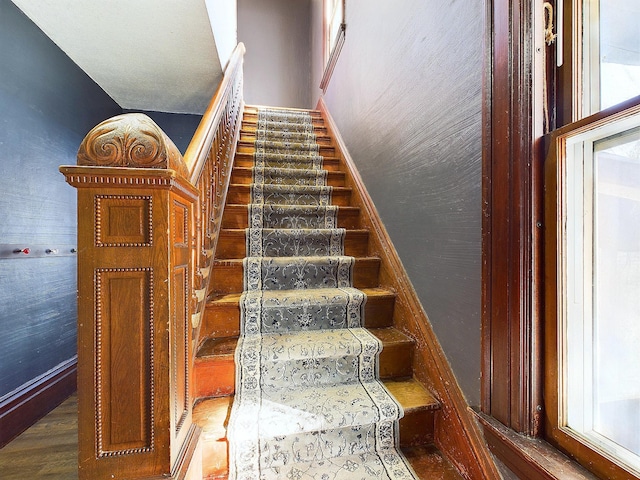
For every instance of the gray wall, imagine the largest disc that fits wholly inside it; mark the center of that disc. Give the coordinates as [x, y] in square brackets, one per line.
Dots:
[277, 35]
[406, 95]
[47, 105]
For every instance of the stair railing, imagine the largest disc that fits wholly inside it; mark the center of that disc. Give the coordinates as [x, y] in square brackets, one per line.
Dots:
[148, 224]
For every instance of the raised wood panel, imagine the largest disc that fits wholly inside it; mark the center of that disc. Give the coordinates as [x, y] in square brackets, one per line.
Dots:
[180, 348]
[123, 221]
[124, 366]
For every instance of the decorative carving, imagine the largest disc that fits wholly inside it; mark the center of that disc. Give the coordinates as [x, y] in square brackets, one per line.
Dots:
[130, 140]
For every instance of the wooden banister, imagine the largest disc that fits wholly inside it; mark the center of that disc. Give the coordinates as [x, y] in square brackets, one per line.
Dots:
[148, 223]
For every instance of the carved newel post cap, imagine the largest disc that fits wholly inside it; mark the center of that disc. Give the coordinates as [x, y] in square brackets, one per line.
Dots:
[131, 140]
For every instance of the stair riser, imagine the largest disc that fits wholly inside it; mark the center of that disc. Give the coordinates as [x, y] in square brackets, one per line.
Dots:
[236, 216]
[247, 137]
[249, 148]
[228, 277]
[223, 320]
[239, 194]
[245, 160]
[215, 376]
[251, 118]
[242, 176]
[252, 125]
[233, 245]
[417, 428]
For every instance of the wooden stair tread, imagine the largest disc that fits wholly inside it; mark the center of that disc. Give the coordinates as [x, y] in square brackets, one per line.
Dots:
[234, 298]
[234, 262]
[429, 463]
[411, 394]
[224, 347]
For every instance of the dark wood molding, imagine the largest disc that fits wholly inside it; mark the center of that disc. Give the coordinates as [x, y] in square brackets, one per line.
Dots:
[512, 216]
[529, 458]
[26, 405]
[457, 435]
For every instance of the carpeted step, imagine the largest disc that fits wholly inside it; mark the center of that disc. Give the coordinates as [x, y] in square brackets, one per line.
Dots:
[237, 216]
[227, 275]
[293, 273]
[211, 415]
[292, 216]
[287, 133]
[245, 176]
[281, 310]
[250, 147]
[215, 364]
[294, 242]
[222, 314]
[232, 243]
[277, 194]
[250, 125]
[349, 467]
[268, 194]
[321, 422]
[304, 358]
[247, 160]
[289, 176]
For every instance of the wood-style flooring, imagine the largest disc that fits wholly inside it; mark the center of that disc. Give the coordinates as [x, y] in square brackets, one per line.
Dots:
[48, 449]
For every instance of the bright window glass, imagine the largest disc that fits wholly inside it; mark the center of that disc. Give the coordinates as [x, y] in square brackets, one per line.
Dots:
[611, 53]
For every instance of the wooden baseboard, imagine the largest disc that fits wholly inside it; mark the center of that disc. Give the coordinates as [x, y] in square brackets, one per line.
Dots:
[529, 458]
[26, 405]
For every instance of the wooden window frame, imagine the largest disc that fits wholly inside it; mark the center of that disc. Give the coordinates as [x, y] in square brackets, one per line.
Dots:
[554, 433]
[514, 407]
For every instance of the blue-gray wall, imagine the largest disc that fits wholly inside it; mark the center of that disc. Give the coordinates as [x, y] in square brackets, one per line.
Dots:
[47, 105]
[406, 96]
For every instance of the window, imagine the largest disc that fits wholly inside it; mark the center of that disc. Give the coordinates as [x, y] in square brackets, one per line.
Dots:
[334, 34]
[598, 280]
[605, 53]
[592, 243]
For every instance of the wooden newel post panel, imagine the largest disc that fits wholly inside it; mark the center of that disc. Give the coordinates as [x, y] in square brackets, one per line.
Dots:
[136, 210]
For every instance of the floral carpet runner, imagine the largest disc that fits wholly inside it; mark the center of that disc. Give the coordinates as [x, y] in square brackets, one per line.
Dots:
[308, 402]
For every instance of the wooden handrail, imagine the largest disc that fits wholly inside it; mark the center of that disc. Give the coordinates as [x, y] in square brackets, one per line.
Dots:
[198, 148]
[148, 224]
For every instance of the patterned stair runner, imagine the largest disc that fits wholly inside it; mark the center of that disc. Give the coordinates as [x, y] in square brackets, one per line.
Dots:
[308, 402]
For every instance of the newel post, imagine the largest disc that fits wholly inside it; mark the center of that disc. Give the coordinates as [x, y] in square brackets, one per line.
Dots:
[135, 240]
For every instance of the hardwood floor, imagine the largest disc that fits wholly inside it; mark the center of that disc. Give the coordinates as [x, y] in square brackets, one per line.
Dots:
[48, 449]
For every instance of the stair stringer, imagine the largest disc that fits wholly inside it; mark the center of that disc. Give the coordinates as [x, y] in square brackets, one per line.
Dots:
[457, 433]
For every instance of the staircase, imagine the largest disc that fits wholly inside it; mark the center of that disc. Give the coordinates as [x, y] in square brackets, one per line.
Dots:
[214, 373]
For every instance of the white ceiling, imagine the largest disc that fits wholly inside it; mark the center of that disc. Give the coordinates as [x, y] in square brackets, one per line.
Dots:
[157, 55]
